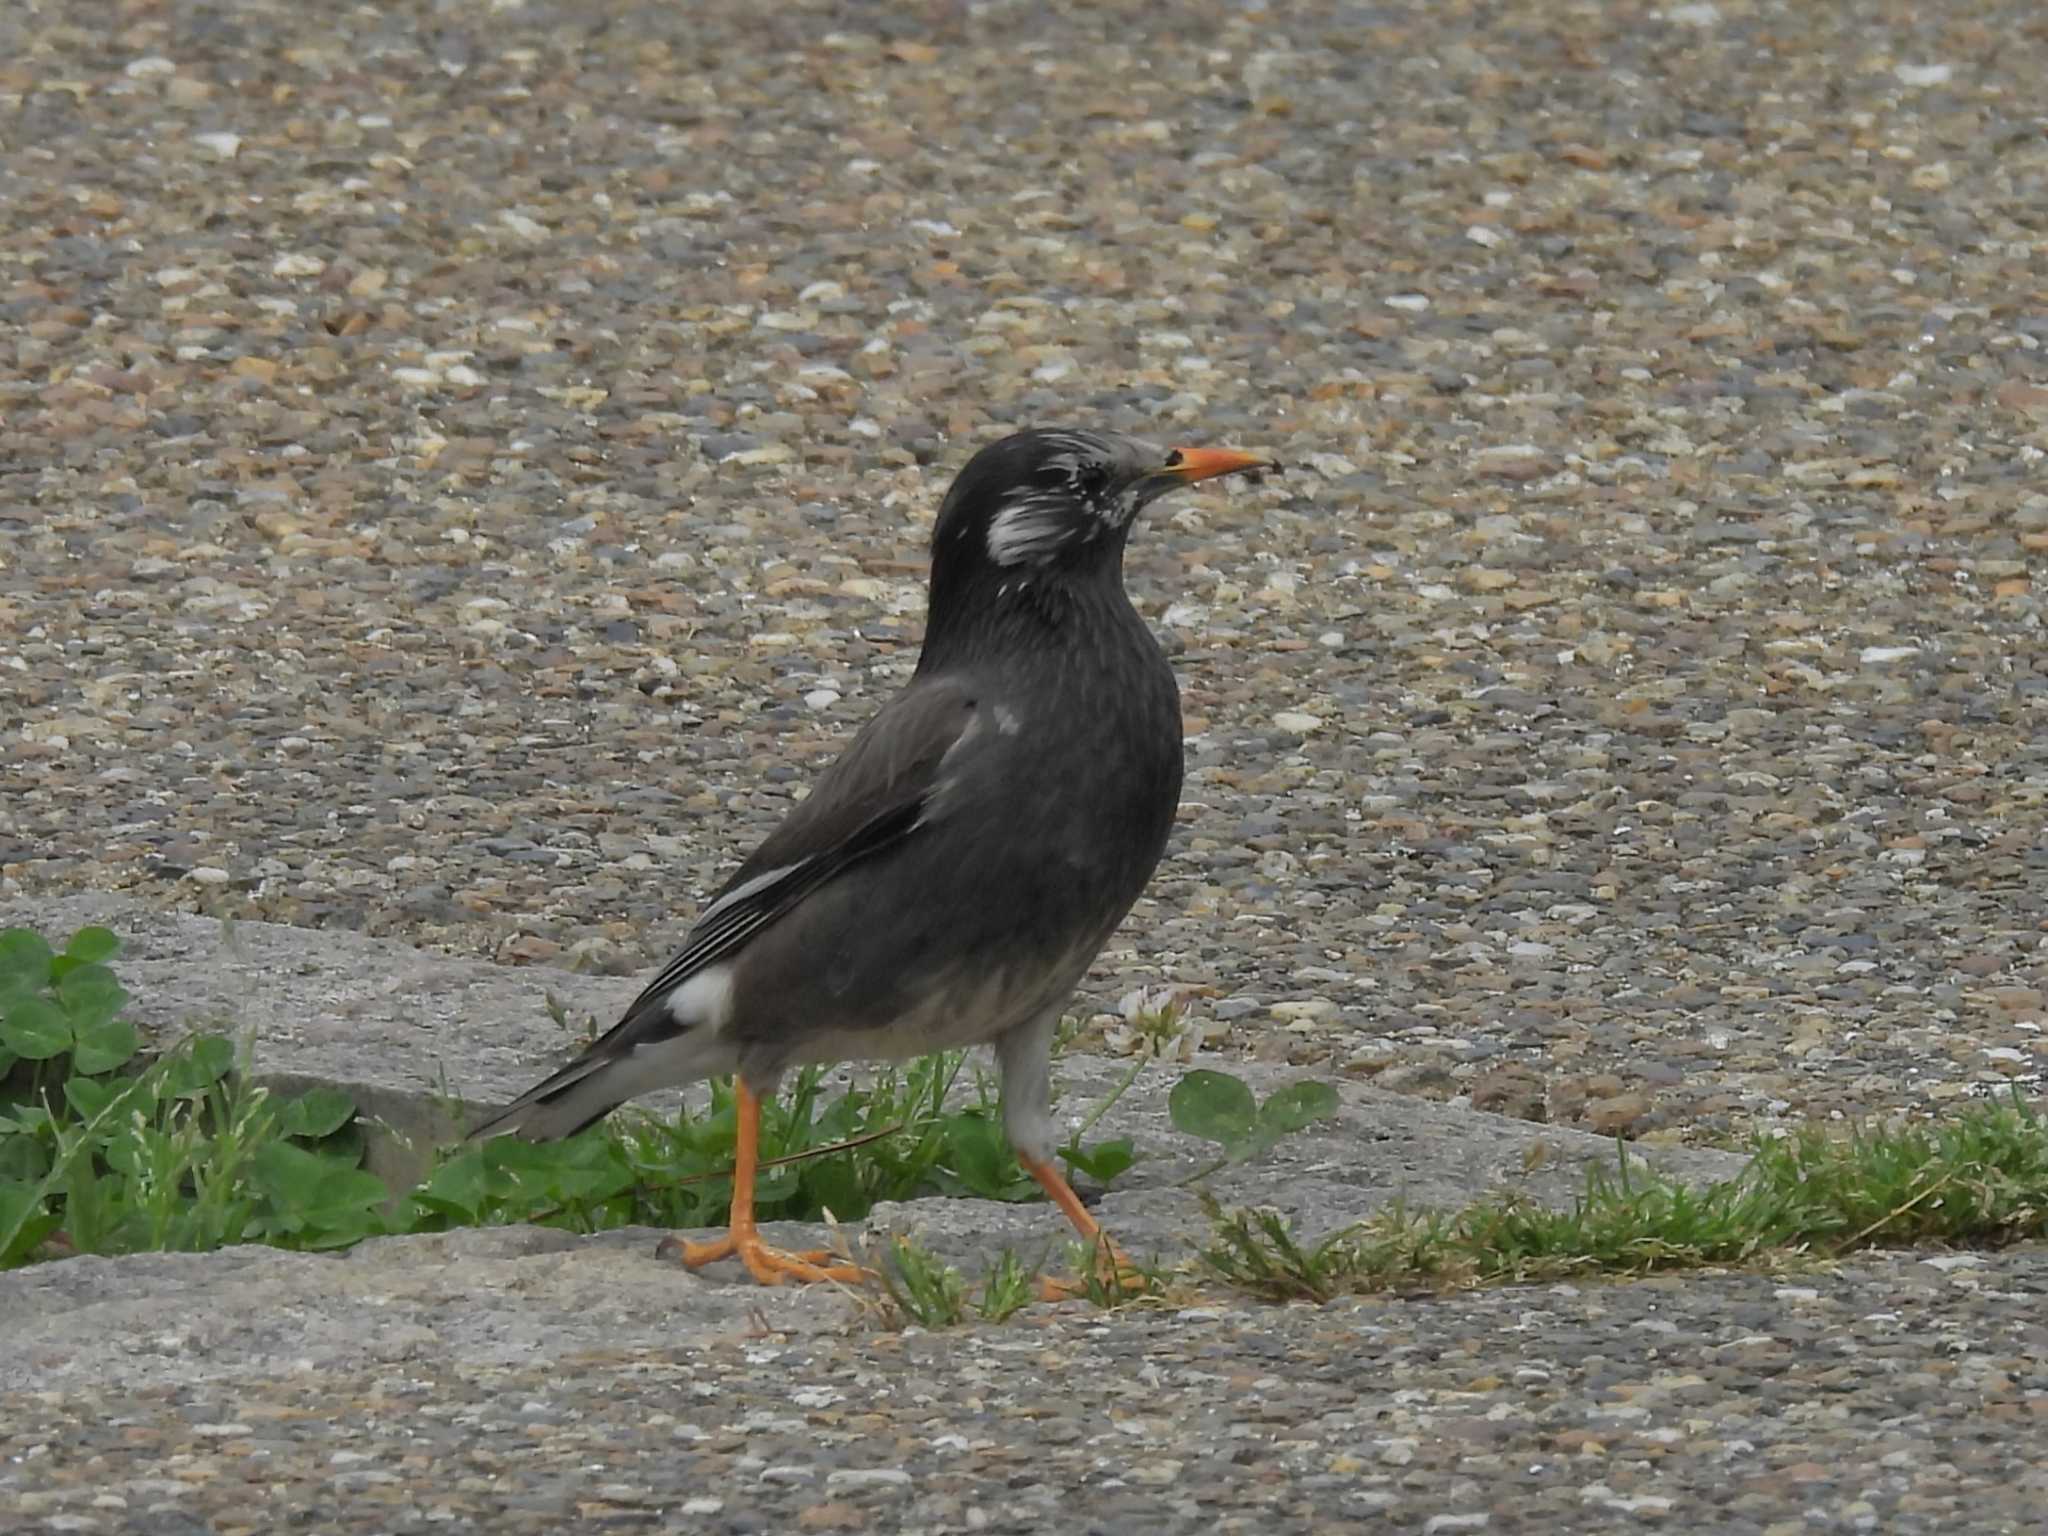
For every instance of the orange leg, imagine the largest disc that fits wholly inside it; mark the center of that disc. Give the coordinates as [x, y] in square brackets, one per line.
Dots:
[742, 1240]
[1106, 1253]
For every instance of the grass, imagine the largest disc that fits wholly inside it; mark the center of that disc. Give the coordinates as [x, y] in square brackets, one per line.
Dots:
[185, 1155]
[1980, 1180]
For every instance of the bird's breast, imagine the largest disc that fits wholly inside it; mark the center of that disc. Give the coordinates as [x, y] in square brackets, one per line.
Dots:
[1096, 776]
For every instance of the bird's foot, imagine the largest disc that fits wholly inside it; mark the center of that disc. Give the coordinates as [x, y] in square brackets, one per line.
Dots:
[768, 1265]
[1108, 1276]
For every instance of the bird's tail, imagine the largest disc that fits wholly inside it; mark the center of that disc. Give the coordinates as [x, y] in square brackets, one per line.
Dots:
[617, 1068]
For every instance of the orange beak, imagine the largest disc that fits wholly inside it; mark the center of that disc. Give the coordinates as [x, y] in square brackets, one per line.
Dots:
[1191, 464]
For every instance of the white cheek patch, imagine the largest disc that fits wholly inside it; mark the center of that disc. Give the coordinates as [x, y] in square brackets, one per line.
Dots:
[1030, 529]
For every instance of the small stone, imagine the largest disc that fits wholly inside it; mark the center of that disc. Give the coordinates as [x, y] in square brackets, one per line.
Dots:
[1156, 1474]
[867, 1477]
[1423, 1079]
[1514, 1091]
[1616, 1116]
[1512, 461]
[1921, 76]
[831, 1515]
[1307, 1010]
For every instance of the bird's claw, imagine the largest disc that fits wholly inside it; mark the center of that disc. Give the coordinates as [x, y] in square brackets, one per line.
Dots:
[1112, 1275]
[768, 1265]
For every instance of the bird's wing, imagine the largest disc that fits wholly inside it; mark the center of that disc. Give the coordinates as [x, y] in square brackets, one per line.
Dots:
[889, 782]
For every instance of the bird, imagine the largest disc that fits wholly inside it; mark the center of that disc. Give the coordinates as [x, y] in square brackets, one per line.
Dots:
[955, 871]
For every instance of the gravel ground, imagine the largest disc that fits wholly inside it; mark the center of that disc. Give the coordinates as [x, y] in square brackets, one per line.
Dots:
[464, 465]
[1886, 1397]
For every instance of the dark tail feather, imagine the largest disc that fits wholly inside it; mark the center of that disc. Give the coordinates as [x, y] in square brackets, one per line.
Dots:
[612, 1071]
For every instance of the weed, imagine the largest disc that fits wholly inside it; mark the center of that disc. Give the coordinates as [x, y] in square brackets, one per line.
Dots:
[1008, 1287]
[1218, 1107]
[1981, 1179]
[917, 1287]
[924, 1288]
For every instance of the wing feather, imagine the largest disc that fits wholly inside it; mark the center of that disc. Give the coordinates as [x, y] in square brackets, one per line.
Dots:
[879, 791]
[889, 782]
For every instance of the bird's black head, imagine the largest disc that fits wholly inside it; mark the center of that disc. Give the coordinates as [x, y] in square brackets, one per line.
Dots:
[1049, 504]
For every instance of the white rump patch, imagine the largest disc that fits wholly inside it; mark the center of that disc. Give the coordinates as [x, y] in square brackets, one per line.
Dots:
[705, 1000]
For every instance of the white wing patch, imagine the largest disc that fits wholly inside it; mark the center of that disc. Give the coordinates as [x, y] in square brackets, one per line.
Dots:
[739, 893]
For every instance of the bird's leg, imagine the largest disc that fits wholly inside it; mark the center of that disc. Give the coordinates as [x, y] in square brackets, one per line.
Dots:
[742, 1240]
[1112, 1265]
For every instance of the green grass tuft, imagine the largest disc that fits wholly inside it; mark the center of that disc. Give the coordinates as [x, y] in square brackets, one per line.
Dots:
[1980, 1180]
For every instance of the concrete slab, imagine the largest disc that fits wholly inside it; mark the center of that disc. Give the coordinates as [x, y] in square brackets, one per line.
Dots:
[400, 1028]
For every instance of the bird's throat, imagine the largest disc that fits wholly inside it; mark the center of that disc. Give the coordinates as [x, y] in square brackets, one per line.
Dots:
[1013, 615]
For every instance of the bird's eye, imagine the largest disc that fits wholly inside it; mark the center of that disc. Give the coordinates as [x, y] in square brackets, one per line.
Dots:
[1086, 480]
[1172, 459]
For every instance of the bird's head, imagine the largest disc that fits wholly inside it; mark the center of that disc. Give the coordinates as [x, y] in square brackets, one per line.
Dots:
[1061, 501]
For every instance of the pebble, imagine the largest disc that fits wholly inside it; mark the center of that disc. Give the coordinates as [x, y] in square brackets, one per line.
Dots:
[867, 1477]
